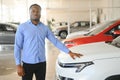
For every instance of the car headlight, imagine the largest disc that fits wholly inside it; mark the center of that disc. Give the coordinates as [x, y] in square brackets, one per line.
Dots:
[79, 66]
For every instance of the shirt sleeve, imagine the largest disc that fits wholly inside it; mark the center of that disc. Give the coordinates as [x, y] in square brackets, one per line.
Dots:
[18, 45]
[56, 42]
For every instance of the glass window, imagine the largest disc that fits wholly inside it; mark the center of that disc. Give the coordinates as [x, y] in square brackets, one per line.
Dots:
[2, 27]
[76, 25]
[113, 29]
[8, 28]
[83, 24]
[100, 27]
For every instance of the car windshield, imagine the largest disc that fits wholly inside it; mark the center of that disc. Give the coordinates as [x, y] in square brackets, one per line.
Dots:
[91, 29]
[116, 42]
[99, 28]
[14, 26]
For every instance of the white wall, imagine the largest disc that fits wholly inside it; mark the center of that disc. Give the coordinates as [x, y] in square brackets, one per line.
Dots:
[71, 10]
[111, 10]
[60, 10]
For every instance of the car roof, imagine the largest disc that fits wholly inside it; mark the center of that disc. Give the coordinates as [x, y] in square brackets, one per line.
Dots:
[13, 25]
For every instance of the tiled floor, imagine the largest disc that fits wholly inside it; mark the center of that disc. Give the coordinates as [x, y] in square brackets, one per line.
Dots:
[52, 53]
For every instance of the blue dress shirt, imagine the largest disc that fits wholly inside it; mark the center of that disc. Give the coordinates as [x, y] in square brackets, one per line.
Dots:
[29, 44]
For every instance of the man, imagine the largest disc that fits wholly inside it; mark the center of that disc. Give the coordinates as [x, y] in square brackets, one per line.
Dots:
[29, 48]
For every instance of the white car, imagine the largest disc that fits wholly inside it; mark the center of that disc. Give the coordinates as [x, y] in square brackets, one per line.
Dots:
[101, 61]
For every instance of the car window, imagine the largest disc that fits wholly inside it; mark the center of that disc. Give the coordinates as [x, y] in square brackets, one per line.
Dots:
[1, 28]
[100, 27]
[83, 24]
[75, 25]
[113, 29]
[60, 24]
[63, 23]
[9, 28]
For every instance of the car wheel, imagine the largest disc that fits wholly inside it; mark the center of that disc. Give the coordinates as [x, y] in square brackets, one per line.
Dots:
[63, 34]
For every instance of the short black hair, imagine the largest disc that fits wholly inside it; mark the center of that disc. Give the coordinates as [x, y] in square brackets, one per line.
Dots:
[34, 5]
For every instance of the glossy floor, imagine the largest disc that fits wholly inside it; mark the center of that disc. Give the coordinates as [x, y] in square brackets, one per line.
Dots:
[8, 68]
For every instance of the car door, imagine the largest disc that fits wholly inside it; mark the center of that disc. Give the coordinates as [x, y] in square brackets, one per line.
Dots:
[2, 38]
[76, 26]
[8, 34]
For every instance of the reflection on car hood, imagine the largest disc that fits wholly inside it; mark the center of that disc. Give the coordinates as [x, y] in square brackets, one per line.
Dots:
[92, 51]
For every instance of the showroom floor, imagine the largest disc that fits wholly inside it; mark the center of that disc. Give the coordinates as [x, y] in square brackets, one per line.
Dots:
[51, 58]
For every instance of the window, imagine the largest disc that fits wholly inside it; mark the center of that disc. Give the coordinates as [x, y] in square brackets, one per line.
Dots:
[1, 27]
[77, 24]
[113, 29]
[9, 28]
[99, 28]
[83, 24]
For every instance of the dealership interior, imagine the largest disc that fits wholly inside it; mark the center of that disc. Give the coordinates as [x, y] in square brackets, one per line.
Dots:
[87, 27]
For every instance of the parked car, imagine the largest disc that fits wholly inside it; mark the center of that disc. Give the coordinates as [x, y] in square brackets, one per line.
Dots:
[60, 24]
[62, 31]
[101, 61]
[7, 33]
[54, 26]
[17, 23]
[80, 33]
[82, 23]
[104, 32]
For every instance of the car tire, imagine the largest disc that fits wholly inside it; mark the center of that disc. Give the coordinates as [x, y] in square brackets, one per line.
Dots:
[63, 34]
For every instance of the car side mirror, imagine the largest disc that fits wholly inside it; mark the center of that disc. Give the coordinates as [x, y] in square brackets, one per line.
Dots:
[116, 32]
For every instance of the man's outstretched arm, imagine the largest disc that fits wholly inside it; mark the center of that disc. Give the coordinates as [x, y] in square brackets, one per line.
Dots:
[61, 46]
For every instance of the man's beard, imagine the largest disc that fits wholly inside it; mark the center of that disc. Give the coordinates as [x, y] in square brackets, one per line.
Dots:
[36, 19]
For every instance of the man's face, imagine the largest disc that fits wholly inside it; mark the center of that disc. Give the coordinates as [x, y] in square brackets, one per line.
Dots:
[35, 13]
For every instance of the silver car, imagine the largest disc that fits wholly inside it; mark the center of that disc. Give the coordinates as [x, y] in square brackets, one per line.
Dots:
[7, 33]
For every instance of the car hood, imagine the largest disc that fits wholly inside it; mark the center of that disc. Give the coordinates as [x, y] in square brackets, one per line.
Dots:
[91, 52]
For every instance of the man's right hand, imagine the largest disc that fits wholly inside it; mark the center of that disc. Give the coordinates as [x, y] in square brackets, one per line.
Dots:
[20, 70]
